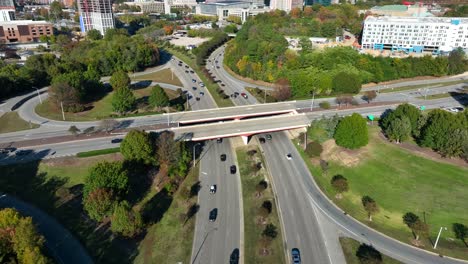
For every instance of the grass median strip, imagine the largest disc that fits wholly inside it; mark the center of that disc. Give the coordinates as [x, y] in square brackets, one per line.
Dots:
[97, 152]
[259, 210]
[411, 87]
[11, 122]
[400, 182]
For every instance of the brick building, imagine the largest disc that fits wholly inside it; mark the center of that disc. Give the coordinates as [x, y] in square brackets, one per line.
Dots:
[24, 31]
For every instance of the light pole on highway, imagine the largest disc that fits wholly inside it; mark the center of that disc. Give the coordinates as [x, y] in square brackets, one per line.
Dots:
[38, 94]
[438, 236]
[194, 146]
[312, 103]
[167, 111]
[264, 96]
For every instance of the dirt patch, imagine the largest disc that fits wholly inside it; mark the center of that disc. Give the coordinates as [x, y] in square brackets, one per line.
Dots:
[78, 162]
[427, 153]
[342, 156]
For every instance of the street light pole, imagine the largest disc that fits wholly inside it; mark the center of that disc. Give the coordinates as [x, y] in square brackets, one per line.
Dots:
[312, 104]
[438, 236]
[63, 113]
[264, 96]
[38, 94]
[167, 111]
[194, 146]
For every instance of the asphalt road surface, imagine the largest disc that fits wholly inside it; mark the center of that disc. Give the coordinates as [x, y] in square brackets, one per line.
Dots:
[215, 241]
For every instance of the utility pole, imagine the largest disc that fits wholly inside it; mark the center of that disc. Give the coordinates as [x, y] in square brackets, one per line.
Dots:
[63, 113]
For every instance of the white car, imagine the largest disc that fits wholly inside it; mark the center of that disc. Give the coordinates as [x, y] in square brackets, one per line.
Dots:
[289, 156]
[201, 84]
[213, 189]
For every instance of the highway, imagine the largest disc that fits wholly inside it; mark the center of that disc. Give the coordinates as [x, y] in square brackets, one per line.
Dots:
[215, 241]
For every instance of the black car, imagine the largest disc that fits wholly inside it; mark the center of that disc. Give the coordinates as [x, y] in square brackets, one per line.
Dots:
[192, 71]
[236, 93]
[213, 215]
[194, 81]
[116, 140]
[194, 88]
[219, 140]
[186, 71]
[296, 256]
[223, 85]
[223, 157]
[233, 169]
[197, 98]
[262, 140]
[217, 67]
[234, 258]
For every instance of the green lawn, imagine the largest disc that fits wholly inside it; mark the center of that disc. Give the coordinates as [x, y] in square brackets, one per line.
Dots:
[101, 109]
[401, 182]
[211, 86]
[170, 239]
[162, 76]
[11, 122]
[350, 247]
[99, 152]
[252, 229]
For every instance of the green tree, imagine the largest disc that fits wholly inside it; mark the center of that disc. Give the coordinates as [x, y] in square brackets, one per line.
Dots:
[158, 98]
[411, 112]
[93, 34]
[456, 62]
[62, 93]
[415, 224]
[123, 100]
[410, 219]
[399, 129]
[270, 231]
[460, 231]
[346, 83]
[19, 237]
[74, 130]
[109, 175]
[137, 147]
[369, 96]
[351, 132]
[370, 206]
[99, 203]
[367, 254]
[168, 149]
[119, 79]
[56, 11]
[340, 184]
[125, 220]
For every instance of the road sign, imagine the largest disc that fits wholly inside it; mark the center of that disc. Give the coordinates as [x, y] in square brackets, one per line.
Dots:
[371, 117]
[422, 107]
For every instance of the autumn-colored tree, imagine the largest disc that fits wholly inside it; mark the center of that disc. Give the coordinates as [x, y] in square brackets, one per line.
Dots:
[99, 203]
[370, 206]
[369, 96]
[308, 11]
[168, 29]
[282, 89]
[296, 12]
[340, 184]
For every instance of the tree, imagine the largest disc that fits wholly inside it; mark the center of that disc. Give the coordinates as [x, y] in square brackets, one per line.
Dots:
[460, 231]
[367, 254]
[415, 224]
[119, 79]
[369, 96]
[125, 220]
[123, 100]
[296, 12]
[370, 206]
[56, 10]
[19, 237]
[109, 175]
[168, 149]
[158, 97]
[340, 184]
[346, 83]
[74, 130]
[457, 62]
[399, 129]
[270, 231]
[94, 34]
[109, 124]
[61, 93]
[411, 112]
[282, 90]
[99, 203]
[344, 99]
[410, 219]
[137, 147]
[351, 132]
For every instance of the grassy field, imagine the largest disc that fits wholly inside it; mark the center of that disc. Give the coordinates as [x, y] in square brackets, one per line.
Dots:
[101, 109]
[170, 240]
[400, 181]
[11, 122]
[162, 76]
[220, 102]
[252, 228]
[350, 247]
[97, 152]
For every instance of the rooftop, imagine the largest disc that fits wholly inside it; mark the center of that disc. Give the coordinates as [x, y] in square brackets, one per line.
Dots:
[400, 8]
[453, 20]
[24, 22]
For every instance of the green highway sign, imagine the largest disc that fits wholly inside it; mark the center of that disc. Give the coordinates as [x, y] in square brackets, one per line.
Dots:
[371, 117]
[422, 107]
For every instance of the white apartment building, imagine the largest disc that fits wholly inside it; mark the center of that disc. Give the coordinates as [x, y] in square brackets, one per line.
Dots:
[415, 34]
[286, 5]
[96, 14]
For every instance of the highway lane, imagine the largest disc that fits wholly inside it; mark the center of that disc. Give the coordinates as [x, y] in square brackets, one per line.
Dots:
[302, 229]
[215, 241]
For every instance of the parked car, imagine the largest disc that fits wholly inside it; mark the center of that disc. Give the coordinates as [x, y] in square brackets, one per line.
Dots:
[213, 214]
[223, 157]
[213, 189]
[296, 256]
[233, 169]
[116, 140]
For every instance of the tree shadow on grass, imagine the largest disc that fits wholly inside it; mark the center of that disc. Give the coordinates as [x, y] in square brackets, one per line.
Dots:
[156, 207]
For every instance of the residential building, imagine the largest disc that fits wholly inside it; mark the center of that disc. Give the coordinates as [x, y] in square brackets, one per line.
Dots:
[149, 7]
[415, 34]
[7, 15]
[24, 31]
[96, 14]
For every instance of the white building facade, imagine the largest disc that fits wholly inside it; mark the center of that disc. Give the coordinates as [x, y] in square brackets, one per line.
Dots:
[96, 14]
[7, 15]
[413, 34]
[286, 5]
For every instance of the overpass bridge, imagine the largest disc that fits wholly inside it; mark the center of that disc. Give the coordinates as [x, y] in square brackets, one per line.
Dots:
[243, 128]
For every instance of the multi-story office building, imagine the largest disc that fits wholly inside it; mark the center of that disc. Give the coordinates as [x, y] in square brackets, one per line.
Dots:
[96, 14]
[24, 31]
[413, 34]
[286, 5]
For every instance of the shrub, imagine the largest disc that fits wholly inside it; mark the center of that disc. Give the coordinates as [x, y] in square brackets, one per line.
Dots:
[325, 105]
[314, 149]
